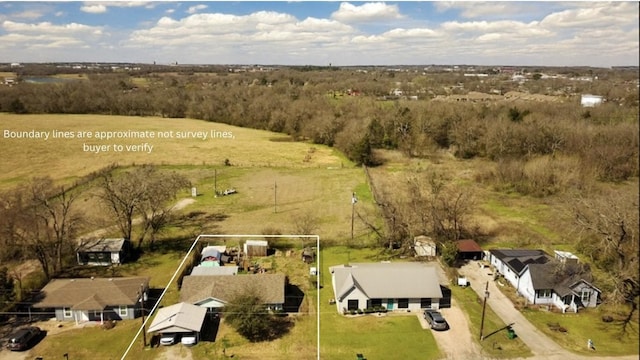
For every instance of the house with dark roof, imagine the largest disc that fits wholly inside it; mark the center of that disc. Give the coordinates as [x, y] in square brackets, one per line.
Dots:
[395, 286]
[566, 286]
[94, 299]
[544, 280]
[215, 291]
[104, 251]
[511, 263]
[181, 318]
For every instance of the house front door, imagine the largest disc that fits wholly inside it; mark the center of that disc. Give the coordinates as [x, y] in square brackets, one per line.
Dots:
[389, 304]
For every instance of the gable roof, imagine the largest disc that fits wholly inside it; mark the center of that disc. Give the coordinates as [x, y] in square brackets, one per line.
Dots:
[196, 288]
[518, 259]
[559, 277]
[387, 280]
[92, 294]
[181, 317]
[103, 245]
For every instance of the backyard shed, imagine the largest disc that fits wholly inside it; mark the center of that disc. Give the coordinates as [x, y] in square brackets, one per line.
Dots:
[256, 248]
[424, 246]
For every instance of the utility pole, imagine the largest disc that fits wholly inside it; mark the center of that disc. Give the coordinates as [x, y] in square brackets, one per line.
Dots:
[144, 332]
[354, 200]
[484, 307]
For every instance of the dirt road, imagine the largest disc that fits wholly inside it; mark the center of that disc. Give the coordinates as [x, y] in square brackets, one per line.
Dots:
[541, 346]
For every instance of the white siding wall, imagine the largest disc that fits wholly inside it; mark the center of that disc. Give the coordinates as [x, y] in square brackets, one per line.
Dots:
[355, 294]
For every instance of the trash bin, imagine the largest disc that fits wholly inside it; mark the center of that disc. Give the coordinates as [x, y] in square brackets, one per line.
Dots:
[511, 334]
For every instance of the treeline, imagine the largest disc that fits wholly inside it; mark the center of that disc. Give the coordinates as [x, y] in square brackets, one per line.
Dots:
[526, 139]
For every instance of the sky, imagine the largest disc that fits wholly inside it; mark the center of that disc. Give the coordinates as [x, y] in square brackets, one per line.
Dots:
[579, 33]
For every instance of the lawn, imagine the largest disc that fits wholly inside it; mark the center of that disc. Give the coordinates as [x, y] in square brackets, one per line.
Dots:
[608, 338]
[384, 337]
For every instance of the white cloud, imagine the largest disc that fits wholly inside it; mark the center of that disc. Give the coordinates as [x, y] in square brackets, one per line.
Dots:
[196, 8]
[610, 14]
[94, 9]
[367, 12]
[49, 28]
[494, 9]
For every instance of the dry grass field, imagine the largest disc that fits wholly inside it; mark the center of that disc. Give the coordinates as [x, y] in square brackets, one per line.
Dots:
[66, 158]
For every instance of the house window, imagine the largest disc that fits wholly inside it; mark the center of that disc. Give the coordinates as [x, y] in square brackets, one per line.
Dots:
[546, 293]
[352, 304]
[66, 312]
[425, 303]
[376, 303]
[123, 311]
[403, 303]
[585, 296]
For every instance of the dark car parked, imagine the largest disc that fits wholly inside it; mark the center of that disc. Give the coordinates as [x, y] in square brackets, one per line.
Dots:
[436, 320]
[22, 339]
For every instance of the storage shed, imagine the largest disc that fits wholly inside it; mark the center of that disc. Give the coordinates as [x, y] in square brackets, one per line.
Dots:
[424, 246]
[469, 250]
[256, 248]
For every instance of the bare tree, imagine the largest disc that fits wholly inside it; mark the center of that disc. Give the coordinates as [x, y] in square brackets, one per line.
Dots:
[144, 192]
[610, 236]
[42, 220]
[122, 195]
[155, 207]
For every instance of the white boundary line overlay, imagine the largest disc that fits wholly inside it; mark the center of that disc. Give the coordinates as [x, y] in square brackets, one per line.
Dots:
[318, 270]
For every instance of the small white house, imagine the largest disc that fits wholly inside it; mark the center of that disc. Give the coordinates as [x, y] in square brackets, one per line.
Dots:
[588, 100]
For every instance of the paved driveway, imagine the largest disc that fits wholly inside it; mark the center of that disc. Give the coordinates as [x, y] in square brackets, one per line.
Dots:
[541, 346]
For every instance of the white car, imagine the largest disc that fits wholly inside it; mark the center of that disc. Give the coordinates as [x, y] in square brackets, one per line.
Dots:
[189, 339]
[168, 339]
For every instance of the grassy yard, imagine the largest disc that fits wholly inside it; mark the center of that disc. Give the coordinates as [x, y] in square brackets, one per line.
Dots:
[608, 338]
[385, 337]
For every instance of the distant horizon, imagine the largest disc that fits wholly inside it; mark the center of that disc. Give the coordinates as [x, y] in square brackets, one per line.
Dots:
[319, 66]
[310, 33]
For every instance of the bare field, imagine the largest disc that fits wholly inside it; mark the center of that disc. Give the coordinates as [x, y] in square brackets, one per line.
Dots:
[66, 159]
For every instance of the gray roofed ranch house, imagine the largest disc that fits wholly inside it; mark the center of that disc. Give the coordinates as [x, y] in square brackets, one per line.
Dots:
[215, 291]
[395, 286]
[94, 299]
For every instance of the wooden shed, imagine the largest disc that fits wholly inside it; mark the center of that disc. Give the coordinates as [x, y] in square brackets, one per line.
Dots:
[254, 248]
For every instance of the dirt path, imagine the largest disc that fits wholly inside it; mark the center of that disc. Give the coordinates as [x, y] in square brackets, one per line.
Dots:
[177, 351]
[541, 346]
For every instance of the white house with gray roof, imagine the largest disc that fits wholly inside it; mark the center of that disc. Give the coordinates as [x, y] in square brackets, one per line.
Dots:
[395, 286]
